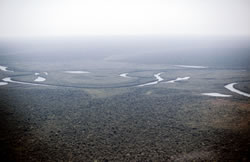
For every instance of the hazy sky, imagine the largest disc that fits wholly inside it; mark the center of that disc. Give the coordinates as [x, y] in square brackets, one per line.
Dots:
[31, 18]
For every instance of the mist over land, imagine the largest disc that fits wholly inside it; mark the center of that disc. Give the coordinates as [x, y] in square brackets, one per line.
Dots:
[125, 99]
[124, 81]
[205, 51]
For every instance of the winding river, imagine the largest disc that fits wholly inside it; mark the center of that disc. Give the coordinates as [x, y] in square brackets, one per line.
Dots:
[3, 83]
[231, 88]
[39, 79]
[216, 95]
[77, 72]
[4, 68]
[157, 76]
[191, 66]
[124, 75]
[9, 80]
[178, 79]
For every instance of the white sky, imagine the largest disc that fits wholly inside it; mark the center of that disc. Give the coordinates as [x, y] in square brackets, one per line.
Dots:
[32, 18]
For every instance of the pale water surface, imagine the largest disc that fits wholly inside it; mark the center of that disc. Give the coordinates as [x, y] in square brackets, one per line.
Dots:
[178, 79]
[124, 75]
[8, 79]
[39, 79]
[3, 83]
[216, 95]
[77, 72]
[191, 66]
[4, 68]
[230, 87]
[157, 76]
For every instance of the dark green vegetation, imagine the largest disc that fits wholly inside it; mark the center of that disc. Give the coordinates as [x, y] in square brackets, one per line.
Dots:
[70, 125]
